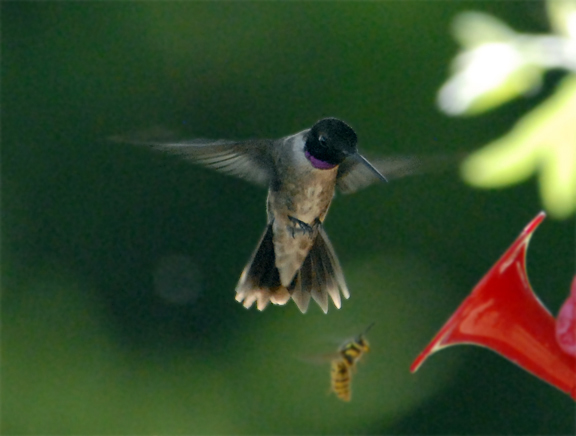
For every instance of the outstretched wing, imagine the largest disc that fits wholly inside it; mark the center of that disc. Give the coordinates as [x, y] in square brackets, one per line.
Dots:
[354, 174]
[250, 160]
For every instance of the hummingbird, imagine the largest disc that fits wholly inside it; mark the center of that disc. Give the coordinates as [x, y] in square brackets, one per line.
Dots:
[294, 258]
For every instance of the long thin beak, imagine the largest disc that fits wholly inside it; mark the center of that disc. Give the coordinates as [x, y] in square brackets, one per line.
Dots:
[371, 167]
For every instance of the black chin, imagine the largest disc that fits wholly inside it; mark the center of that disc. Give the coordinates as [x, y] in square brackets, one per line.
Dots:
[333, 157]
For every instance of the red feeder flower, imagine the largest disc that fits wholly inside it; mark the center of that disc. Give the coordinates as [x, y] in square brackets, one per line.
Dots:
[503, 314]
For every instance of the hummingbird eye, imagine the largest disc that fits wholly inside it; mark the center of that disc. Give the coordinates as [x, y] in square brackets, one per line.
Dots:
[323, 140]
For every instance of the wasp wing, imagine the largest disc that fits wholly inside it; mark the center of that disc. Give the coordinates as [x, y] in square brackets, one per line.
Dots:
[319, 359]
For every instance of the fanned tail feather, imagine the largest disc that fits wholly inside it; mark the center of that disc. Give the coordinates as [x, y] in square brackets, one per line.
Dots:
[260, 280]
[319, 277]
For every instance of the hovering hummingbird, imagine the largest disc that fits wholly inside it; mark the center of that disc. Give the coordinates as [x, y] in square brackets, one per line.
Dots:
[294, 258]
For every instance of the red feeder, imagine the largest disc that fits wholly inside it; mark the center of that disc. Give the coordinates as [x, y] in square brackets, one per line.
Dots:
[503, 314]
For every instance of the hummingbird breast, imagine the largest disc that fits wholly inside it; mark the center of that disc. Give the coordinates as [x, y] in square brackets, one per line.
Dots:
[297, 207]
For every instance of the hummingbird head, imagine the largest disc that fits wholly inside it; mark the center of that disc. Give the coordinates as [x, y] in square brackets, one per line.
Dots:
[330, 141]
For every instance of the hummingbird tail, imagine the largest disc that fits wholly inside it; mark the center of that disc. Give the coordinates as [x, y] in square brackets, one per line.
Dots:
[260, 280]
[319, 277]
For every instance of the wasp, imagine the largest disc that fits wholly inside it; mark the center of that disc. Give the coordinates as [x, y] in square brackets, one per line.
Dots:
[342, 367]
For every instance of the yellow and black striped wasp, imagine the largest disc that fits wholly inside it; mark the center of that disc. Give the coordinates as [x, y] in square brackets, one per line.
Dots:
[342, 367]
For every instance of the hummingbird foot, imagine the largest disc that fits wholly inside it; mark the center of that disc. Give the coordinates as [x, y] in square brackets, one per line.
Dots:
[301, 226]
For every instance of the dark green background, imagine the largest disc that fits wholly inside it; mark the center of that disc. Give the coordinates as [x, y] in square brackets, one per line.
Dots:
[89, 347]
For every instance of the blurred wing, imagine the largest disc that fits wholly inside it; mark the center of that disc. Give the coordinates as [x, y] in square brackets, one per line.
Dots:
[319, 359]
[250, 160]
[354, 175]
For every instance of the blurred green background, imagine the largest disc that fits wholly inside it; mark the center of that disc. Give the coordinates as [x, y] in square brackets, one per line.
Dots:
[119, 264]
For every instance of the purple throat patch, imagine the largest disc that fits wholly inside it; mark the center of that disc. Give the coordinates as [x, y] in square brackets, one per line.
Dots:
[317, 163]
